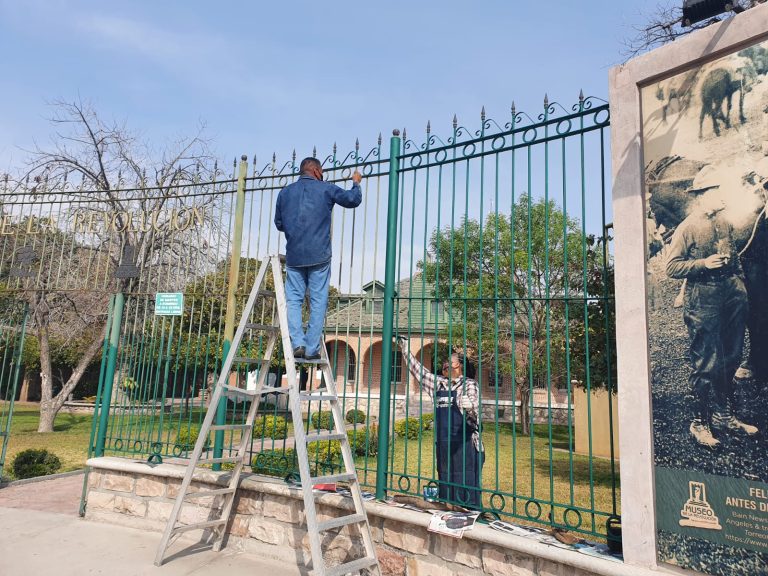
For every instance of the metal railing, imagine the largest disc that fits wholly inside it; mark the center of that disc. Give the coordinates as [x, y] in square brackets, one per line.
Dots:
[490, 243]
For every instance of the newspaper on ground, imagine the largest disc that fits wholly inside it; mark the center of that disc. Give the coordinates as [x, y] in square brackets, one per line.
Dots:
[452, 524]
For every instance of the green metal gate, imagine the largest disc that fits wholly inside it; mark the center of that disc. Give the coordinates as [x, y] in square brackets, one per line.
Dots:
[13, 323]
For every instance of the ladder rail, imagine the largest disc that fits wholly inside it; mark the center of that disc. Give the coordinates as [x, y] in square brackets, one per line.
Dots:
[300, 445]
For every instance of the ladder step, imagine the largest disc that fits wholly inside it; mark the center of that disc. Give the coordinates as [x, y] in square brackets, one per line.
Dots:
[235, 391]
[216, 427]
[200, 526]
[219, 460]
[341, 521]
[274, 390]
[318, 397]
[325, 436]
[331, 478]
[351, 567]
[264, 327]
[245, 360]
[319, 362]
[205, 493]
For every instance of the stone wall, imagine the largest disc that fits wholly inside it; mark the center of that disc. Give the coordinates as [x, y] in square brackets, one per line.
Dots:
[269, 521]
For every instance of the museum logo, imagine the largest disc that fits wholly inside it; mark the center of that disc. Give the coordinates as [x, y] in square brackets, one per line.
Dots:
[697, 513]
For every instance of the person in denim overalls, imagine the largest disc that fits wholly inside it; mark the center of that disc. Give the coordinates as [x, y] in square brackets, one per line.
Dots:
[458, 446]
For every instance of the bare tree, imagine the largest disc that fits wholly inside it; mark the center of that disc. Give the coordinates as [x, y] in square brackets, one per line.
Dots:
[107, 159]
[665, 24]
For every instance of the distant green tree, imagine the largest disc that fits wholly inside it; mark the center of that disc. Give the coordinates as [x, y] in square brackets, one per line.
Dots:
[513, 284]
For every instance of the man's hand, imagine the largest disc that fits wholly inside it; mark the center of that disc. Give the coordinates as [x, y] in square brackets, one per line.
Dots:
[715, 261]
[357, 177]
[465, 403]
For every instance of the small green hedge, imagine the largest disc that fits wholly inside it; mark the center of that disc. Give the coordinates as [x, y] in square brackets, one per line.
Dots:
[324, 452]
[408, 428]
[269, 426]
[274, 462]
[364, 441]
[356, 417]
[31, 463]
[322, 420]
[187, 437]
[427, 420]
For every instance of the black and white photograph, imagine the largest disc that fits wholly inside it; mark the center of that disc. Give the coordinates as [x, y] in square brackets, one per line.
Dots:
[705, 147]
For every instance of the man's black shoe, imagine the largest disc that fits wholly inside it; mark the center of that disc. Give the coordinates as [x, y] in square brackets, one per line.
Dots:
[298, 352]
[315, 356]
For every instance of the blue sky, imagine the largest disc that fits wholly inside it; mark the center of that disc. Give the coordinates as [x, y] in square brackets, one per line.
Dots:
[271, 76]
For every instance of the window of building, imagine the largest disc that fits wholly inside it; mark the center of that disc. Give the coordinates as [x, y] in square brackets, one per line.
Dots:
[438, 309]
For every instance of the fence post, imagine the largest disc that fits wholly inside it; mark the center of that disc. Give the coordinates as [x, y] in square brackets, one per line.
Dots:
[389, 314]
[109, 374]
[229, 319]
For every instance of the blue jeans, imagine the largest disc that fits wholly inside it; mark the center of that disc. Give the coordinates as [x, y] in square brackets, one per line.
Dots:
[297, 280]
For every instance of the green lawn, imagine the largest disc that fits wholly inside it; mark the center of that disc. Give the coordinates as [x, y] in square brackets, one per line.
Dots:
[69, 440]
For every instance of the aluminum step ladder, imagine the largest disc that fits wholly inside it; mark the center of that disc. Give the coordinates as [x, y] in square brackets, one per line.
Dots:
[367, 564]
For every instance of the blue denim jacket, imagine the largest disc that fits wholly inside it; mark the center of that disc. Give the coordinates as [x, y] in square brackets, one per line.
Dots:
[303, 213]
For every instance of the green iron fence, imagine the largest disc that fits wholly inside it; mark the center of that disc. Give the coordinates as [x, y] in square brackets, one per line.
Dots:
[491, 243]
[13, 322]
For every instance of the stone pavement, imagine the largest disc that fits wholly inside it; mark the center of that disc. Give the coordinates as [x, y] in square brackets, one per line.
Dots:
[43, 535]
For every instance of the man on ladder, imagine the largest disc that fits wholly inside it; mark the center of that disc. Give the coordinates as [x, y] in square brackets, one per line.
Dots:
[303, 213]
[300, 205]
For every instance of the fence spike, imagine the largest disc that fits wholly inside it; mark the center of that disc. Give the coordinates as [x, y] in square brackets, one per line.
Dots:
[546, 101]
[404, 134]
[429, 127]
[482, 114]
[357, 144]
[379, 141]
[314, 151]
[513, 109]
[334, 149]
[293, 157]
[455, 121]
[581, 95]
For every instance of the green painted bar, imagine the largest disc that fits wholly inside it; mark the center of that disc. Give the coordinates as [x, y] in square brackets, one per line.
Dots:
[389, 312]
[109, 374]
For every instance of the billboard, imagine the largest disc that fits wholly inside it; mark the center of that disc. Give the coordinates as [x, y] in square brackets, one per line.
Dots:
[705, 152]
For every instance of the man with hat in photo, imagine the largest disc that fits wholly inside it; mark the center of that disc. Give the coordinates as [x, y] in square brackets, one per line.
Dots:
[702, 251]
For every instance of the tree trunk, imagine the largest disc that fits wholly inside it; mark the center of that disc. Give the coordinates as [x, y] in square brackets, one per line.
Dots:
[525, 414]
[50, 405]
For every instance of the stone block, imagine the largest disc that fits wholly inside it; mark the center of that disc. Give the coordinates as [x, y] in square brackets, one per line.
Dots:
[131, 506]
[339, 549]
[100, 500]
[94, 478]
[421, 567]
[192, 514]
[172, 487]
[391, 563]
[463, 551]
[239, 525]
[500, 562]
[283, 509]
[413, 539]
[160, 511]
[117, 482]
[268, 532]
[249, 503]
[151, 486]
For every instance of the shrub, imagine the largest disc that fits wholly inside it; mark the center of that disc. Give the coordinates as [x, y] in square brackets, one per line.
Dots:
[426, 421]
[269, 426]
[187, 437]
[364, 441]
[274, 462]
[322, 420]
[91, 399]
[31, 463]
[410, 428]
[324, 452]
[356, 417]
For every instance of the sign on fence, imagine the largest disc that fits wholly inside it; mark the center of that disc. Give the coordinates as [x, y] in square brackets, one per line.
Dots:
[169, 303]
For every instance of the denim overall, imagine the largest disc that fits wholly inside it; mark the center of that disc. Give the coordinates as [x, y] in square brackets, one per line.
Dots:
[458, 462]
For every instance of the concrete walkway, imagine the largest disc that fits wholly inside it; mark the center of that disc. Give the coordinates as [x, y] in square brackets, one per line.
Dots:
[43, 535]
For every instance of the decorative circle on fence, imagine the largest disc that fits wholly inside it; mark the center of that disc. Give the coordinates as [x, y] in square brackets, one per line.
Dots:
[566, 517]
[496, 497]
[404, 481]
[528, 511]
